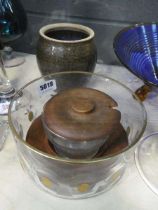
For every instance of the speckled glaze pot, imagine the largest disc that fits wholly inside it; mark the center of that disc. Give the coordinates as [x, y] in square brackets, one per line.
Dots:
[66, 47]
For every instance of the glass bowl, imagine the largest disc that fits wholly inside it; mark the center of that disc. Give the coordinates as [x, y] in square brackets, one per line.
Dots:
[65, 177]
[137, 49]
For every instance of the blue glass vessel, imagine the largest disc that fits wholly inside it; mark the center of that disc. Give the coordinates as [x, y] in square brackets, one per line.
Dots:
[13, 20]
[137, 49]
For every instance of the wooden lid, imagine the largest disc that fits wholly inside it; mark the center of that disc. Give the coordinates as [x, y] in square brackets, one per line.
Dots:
[81, 114]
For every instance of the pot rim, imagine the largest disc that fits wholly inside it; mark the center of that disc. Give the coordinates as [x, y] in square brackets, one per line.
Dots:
[71, 26]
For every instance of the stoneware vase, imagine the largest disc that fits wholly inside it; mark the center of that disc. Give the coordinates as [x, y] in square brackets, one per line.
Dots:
[66, 47]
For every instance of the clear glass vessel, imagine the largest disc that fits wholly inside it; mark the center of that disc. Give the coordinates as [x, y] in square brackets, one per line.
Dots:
[65, 177]
[7, 92]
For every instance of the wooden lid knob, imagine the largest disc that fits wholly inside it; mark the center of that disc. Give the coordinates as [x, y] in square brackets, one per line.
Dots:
[82, 105]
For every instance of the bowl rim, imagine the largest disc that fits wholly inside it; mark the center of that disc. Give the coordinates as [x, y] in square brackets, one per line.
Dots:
[73, 26]
[125, 29]
[68, 160]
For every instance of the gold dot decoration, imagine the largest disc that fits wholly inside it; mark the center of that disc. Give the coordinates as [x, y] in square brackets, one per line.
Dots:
[83, 187]
[30, 116]
[46, 182]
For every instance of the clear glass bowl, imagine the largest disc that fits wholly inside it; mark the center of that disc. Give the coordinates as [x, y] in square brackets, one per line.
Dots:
[73, 178]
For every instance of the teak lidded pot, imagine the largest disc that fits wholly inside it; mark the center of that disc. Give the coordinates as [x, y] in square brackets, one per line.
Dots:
[79, 121]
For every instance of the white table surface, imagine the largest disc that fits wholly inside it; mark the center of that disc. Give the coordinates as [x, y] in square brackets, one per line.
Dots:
[17, 192]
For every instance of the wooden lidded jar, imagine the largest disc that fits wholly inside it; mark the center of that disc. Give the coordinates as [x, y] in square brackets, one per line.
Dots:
[79, 121]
